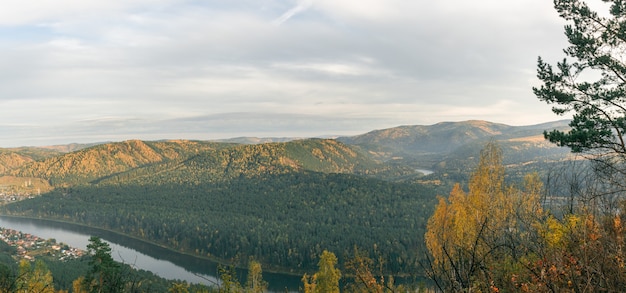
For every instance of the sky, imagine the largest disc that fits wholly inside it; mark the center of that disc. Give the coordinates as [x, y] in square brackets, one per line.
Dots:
[110, 70]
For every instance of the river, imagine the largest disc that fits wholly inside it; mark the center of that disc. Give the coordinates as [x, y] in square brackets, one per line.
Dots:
[141, 255]
[425, 171]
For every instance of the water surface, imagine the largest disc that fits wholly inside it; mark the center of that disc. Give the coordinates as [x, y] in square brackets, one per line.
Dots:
[140, 254]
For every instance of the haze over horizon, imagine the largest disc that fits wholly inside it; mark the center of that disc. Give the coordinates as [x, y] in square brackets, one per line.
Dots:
[90, 71]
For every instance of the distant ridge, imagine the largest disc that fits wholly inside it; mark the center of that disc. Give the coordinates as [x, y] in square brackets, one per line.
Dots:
[443, 137]
[257, 140]
[428, 144]
[67, 148]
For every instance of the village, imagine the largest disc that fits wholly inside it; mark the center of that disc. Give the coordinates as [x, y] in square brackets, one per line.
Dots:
[29, 246]
[11, 189]
[7, 197]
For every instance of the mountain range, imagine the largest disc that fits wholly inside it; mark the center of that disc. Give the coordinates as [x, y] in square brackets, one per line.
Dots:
[281, 201]
[422, 145]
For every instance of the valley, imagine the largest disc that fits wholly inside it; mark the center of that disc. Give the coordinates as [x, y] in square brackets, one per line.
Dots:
[279, 202]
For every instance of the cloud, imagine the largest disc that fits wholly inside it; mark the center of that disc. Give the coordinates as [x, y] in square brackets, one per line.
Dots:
[43, 12]
[390, 62]
[337, 69]
[206, 127]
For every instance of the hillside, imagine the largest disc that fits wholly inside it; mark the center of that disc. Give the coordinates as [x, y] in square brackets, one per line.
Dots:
[16, 188]
[439, 138]
[248, 161]
[449, 149]
[282, 203]
[279, 202]
[432, 147]
[112, 160]
[104, 160]
[13, 160]
[442, 145]
[442, 138]
[16, 157]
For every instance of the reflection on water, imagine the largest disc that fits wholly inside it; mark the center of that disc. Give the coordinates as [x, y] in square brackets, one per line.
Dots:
[424, 171]
[140, 254]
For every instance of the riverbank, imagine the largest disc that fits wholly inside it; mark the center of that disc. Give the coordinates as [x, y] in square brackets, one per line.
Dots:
[100, 231]
[29, 246]
[148, 256]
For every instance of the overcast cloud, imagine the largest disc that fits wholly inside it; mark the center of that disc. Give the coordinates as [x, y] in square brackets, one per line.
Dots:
[105, 70]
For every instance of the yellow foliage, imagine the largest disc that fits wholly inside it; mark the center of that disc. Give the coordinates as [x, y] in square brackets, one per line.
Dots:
[35, 279]
[468, 225]
[178, 288]
[309, 283]
[77, 285]
[554, 231]
[326, 280]
[437, 225]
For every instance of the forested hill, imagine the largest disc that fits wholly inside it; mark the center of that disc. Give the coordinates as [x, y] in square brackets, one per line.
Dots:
[450, 149]
[103, 160]
[17, 157]
[419, 146]
[259, 160]
[133, 158]
[281, 203]
[445, 137]
[12, 158]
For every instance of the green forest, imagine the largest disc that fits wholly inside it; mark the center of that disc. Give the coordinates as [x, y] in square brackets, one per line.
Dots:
[284, 221]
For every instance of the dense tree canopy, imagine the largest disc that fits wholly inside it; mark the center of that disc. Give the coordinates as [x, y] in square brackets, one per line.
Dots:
[283, 221]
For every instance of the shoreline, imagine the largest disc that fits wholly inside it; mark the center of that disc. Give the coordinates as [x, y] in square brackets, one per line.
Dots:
[217, 261]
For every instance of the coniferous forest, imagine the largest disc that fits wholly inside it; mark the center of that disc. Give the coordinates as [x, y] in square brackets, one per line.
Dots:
[283, 220]
[281, 204]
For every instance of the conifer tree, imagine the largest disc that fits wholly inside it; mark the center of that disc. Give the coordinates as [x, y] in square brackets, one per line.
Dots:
[105, 274]
[592, 82]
